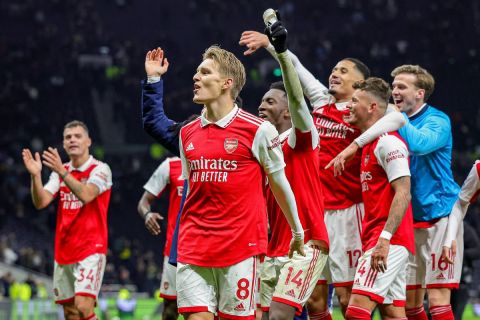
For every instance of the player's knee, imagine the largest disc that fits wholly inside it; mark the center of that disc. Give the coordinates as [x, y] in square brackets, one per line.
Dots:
[318, 300]
[280, 311]
[85, 308]
[170, 310]
[344, 299]
[71, 313]
[438, 297]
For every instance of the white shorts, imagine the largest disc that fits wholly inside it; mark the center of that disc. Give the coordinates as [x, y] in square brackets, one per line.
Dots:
[345, 228]
[291, 281]
[228, 291]
[168, 284]
[387, 287]
[426, 269]
[83, 278]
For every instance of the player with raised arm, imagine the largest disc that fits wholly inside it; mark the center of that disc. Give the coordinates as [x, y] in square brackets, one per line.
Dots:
[226, 154]
[168, 175]
[286, 284]
[83, 188]
[342, 196]
[434, 191]
[387, 232]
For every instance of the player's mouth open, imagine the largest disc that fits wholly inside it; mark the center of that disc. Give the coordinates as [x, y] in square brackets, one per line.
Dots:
[335, 82]
[196, 87]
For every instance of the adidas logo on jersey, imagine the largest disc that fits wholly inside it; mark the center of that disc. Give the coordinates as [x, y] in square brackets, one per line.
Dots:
[89, 287]
[290, 293]
[190, 147]
[240, 307]
[440, 276]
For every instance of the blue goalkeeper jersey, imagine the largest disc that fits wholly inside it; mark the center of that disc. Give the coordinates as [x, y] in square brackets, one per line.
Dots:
[429, 138]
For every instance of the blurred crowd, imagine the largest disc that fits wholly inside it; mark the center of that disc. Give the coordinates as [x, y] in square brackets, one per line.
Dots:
[65, 60]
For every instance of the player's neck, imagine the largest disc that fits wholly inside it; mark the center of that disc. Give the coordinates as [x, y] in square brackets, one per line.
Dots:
[282, 127]
[415, 109]
[368, 123]
[218, 109]
[342, 98]
[80, 160]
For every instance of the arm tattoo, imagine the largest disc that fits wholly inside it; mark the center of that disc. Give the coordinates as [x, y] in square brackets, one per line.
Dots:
[399, 205]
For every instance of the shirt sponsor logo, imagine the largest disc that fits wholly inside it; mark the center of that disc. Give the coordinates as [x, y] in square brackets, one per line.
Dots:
[275, 142]
[393, 155]
[331, 129]
[365, 176]
[70, 201]
[179, 191]
[230, 145]
[211, 170]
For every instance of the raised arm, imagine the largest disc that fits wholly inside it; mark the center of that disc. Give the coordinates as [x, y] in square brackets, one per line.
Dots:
[155, 121]
[313, 89]
[297, 106]
[40, 197]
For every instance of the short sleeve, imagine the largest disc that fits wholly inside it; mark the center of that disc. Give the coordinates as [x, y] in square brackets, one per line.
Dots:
[471, 185]
[159, 179]
[392, 155]
[53, 184]
[101, 176]
[267, 148]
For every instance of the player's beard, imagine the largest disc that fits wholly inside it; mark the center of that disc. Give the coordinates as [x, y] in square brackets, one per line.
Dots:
[332, 92]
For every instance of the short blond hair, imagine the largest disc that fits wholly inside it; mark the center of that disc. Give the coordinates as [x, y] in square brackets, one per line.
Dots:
[424, 80]
[228, 66]
[377, 87]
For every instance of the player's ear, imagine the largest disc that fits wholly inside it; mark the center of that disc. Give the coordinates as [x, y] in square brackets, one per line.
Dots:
[228, 83]
[420, 94]
[89, 142]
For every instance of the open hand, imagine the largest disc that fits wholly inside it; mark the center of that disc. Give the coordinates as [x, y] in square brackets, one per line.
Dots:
[253, 40]
[155, 63]
[51, 158]
[33, 165]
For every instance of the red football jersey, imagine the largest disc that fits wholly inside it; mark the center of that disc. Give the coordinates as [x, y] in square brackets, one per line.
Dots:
[224, 219]
[301, 153]
[168, 174]
[81, 228]
[335, 135]
[383, 161]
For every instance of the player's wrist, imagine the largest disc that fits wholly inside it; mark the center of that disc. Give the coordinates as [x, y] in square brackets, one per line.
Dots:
[145, 215]
[386, 235]
[64, 174]
[153, 78]
[298, 235]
